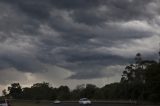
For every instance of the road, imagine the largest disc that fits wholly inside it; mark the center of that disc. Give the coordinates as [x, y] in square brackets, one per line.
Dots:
[96, 104]
[33, 103]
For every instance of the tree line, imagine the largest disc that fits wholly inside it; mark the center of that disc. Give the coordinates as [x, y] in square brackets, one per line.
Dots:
[140, 81]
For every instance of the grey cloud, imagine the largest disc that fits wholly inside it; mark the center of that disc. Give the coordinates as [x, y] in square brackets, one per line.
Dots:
[76, 4]
[75, 29]
[101, 72]
[114, 10]
[21, 62]
[86, 11]
[87, 75]
[38, 9]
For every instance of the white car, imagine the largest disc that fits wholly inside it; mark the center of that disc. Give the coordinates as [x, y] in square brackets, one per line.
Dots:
[84, 101]
[4, 103]
[57, 101]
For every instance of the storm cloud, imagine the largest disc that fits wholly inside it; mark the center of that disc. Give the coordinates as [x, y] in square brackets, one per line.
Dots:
[82, 37]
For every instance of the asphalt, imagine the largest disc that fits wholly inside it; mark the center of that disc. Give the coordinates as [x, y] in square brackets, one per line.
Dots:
[96, 104]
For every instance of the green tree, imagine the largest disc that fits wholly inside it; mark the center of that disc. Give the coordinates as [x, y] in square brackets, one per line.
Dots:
[4, 93]
[78, 92]
[90, 91]
[41, 91]
[15, 90]
[153, 82]
[63, 93]
[134, 73]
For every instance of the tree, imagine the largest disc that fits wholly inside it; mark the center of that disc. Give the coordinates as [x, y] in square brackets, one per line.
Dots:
[90, 91]
[4, 92]
[15, 90]
[134, 78]
[134, 73]
[153, 82]
[63, 93]
[78, 92]
[41, 91]
[138, 58]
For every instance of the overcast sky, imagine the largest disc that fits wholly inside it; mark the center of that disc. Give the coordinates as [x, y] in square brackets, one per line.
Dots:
[70, 42]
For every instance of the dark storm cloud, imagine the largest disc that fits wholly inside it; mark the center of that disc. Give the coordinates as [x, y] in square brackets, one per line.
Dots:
[22, 63]
[64, 33]
[85, 11]
[90, 57]
[76, 4]
[87, 64]
[36, 9]
[113, 10]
